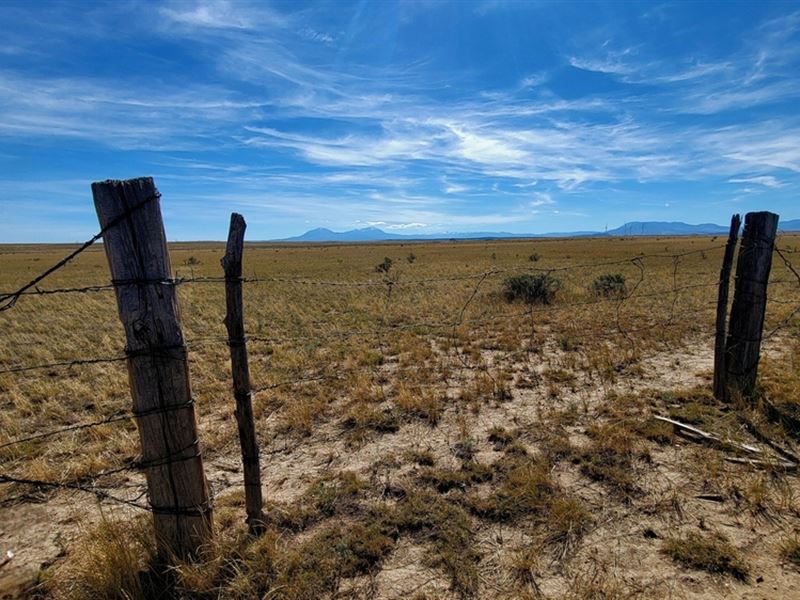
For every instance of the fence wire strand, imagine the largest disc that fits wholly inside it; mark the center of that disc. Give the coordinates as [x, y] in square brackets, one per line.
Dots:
[387, 284]
[8, 300]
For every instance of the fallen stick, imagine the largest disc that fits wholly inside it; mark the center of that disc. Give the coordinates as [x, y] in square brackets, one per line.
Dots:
[699, 434]
[783, 465]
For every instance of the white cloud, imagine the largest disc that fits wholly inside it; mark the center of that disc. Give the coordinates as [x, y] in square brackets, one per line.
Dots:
[765, 180]
[482, 147]
[214, 14]
[376, 140]
[761, 71]
[609, 65]
[453, 188]
[535, 80]
[399, 226]
[767, 146]
[541, 199]
[316, 36]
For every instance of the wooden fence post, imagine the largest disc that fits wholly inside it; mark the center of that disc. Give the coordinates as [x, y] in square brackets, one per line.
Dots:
[240, 370]
[158, 370]
[743, 346]
[722, 308]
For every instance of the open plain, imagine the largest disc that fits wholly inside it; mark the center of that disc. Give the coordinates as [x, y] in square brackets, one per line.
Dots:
[423, 434]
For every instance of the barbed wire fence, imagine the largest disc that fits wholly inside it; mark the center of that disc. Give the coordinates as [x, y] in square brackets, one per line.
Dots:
[386, 287]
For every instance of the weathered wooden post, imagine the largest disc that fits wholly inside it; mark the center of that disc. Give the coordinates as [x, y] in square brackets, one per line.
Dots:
[722, 308]
[743, 346]
[158, 370]
[240, 370]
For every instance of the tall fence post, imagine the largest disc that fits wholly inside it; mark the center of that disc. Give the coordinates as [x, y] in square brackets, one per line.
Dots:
[722, 308]
[240, 370]
[743, 346]
[158, 370]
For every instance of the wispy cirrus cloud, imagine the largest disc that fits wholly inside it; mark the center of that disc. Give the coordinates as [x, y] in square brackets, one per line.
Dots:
[221, 14]
[541, 199]
[765, 180]
[761, 71]
[350, 113]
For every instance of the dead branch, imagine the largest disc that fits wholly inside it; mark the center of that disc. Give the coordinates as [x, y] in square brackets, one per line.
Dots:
[699, 435]
[765, 464]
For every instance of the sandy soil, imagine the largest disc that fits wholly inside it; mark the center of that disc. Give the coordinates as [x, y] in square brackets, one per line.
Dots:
[620, 552]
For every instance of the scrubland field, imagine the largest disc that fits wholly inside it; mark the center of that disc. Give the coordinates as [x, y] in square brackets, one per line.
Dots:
[422, 435]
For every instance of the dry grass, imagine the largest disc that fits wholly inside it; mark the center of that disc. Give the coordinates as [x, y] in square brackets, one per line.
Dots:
[790, 551]
[472, 446]
[708, 553]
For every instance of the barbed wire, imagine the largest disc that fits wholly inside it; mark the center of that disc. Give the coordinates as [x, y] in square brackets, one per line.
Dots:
[548, 308]
[68, 290]
[63, 364]
[396, 282]
[25, 289]
[257, 337]
[126, 416]
[787, 263]
[139, 465]
[674, 319]
[11, 297]
[8, 300]
[76, 427]
[100, 494]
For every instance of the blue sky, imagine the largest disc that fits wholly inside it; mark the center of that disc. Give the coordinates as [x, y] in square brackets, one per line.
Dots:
[416, 117]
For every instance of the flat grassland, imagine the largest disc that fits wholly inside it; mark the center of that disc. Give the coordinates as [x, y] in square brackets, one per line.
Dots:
[422, 435]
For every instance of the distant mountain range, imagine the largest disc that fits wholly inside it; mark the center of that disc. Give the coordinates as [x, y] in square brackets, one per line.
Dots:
[373, 234]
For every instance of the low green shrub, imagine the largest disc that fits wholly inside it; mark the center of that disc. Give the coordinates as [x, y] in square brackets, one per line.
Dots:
[531, 289]
[610, 285]
[385, 266]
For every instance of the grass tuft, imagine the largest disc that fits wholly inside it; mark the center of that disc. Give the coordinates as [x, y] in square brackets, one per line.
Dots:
[610, 458]
[444, 480]
[111, 560]
[447, 528]
[707, 554]
[790, 551]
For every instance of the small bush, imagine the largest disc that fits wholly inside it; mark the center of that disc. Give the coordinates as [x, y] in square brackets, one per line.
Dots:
[532, 289]
[610, 285]
[385, 266]
[411, 257]
[534, 257]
